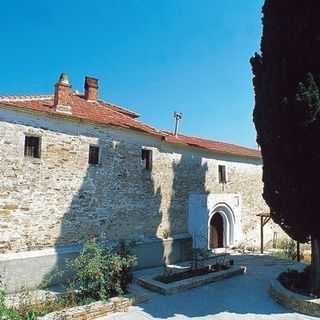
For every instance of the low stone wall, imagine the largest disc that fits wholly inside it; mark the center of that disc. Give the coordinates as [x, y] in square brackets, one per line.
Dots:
[35, 297]
[26, 270]
[92, 310]
[294, 301]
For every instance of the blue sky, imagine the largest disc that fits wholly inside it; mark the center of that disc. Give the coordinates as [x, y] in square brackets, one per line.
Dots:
[153, 57]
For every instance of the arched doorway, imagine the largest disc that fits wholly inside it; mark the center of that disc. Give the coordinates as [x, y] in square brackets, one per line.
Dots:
[216, 231]
[221, 224]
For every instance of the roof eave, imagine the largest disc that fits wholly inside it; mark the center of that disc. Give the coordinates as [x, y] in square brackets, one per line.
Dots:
[161, 134]
[235, 154]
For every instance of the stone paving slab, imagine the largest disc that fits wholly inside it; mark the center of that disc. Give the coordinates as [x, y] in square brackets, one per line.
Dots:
[237, 298]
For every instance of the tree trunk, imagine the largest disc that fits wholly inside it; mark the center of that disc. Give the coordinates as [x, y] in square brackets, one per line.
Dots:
[315, 265]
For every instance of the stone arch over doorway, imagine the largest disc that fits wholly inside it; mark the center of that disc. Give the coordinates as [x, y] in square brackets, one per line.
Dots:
[202, 207]
[221, 226]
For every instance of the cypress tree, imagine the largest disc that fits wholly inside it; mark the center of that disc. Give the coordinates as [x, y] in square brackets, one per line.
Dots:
[287, 118]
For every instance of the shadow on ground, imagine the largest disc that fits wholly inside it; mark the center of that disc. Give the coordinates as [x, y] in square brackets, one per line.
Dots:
[244, 297]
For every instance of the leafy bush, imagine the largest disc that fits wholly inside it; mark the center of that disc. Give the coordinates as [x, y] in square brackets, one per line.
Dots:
[297, 281]
[198, 257]
[247, 245]
[288, 249]
[99, 273]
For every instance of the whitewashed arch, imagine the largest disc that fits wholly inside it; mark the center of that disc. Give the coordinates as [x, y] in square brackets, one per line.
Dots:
[202, 207]
[228, 219]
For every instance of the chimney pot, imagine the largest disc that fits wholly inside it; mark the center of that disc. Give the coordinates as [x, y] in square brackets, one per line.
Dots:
[178, 117]
[62, 94]
[64, 78]
[91, 86]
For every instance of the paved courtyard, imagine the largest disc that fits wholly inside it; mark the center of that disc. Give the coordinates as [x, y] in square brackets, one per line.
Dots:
[241, 297]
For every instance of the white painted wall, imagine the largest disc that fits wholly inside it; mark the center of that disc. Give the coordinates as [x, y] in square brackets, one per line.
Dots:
[202, 207]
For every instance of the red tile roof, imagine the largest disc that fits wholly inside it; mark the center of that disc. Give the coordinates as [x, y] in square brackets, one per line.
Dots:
[105, 113]
[215, 146]
[96, 112]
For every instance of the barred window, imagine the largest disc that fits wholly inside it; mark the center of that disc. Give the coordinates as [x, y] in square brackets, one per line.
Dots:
[32, 147]
[93, 155]
[222, 174]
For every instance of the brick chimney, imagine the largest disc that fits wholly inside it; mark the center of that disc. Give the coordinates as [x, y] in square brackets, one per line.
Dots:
[62, 95]
[91, 89]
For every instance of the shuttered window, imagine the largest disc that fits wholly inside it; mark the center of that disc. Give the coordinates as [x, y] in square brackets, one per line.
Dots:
[32, 147]
[222, 174]
[93, 155]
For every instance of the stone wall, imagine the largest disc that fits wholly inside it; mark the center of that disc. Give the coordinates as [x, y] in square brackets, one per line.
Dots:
[60, 199]
[297, 302]
[91, 311]
[30, 269]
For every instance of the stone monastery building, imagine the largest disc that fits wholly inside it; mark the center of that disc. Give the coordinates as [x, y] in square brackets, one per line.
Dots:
[74, 167]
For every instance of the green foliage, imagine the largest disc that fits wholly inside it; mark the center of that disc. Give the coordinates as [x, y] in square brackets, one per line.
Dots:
[286, 114]
[96, 274]
[32, 315]
[290, 249]
[307, 102]
[199, 257]
[287, 249]
[297, 281]
[99, 273]
[30, 309]
[7, 313]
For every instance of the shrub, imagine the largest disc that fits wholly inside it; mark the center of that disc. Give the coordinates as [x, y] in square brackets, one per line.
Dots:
[247, 245]
[199, 257]
[99, 273]
[288, 249]
[297, 281]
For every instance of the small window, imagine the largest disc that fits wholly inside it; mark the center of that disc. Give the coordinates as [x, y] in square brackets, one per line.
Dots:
[146, 158]
[32, 147]
[222, 174]
[93, 154]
